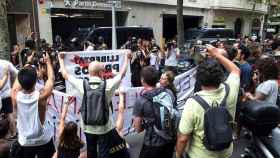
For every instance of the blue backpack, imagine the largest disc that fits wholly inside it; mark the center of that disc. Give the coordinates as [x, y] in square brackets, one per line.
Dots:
[166, 120]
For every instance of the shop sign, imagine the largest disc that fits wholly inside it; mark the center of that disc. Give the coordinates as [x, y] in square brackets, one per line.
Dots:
[219, 20]
[92, 4]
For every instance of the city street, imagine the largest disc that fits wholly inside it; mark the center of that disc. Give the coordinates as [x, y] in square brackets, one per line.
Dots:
[135, 141]
[75, 75]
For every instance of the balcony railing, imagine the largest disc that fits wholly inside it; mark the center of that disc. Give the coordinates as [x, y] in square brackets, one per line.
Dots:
[237, 5]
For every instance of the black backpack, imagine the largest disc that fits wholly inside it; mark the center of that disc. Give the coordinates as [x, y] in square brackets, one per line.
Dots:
[166, 116]
[95, 109]
[217, 124]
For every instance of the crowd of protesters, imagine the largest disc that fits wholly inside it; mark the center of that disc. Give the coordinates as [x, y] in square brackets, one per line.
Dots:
[236, 72]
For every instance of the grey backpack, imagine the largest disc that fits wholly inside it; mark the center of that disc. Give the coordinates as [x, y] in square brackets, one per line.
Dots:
[95, 109]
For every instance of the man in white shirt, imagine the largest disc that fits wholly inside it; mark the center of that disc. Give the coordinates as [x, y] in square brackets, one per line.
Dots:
[34, 129]
[97, 136]
[5, 93]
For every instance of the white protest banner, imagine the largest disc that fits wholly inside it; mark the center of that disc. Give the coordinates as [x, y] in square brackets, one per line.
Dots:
[55, 107]
[184, 84]
[131, 94]
[57, 100]
[77, 63]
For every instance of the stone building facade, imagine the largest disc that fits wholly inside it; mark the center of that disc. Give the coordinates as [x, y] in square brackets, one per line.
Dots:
[56, 16]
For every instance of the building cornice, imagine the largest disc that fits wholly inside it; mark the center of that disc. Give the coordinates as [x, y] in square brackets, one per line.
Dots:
[166, 3]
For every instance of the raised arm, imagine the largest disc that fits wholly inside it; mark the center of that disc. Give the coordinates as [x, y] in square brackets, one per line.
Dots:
[125, 65]
[5, 77]
[64, 114]
[121, 109]
[12, 72]
[16, 88]
[218, 54]
[62, 66]
[47, 90]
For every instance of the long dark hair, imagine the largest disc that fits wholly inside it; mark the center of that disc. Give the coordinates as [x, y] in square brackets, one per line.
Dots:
[69, 139]
[268, 69]
[170, 77]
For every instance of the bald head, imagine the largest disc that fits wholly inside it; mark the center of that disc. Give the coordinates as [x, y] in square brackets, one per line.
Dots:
[95, 67]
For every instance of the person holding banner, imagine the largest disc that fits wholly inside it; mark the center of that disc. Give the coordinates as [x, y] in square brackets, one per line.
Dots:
[69, 142]
[121, 110]
[34, 129]
[100, 136]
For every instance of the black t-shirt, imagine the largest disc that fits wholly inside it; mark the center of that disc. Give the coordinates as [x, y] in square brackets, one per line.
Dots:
[143, 108]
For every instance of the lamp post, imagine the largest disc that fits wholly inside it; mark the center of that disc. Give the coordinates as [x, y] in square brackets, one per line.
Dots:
[114, 34]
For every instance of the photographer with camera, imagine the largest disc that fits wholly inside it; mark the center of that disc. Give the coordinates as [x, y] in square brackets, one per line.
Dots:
[131, 44]
[28, 52]
[15, 55]
[154, 58]
[172, 54]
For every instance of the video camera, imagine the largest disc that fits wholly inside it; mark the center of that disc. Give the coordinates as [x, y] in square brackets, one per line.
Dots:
[140, 55]
[200, 46]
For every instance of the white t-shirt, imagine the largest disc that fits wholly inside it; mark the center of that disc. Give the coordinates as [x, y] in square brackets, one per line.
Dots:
[31, 131]
[111, 86]
[269, 88]
[6, 90]
[154, 60]
[172, 59]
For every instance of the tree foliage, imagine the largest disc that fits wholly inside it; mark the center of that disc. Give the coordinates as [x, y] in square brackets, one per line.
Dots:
[4, 32]
[271, 3]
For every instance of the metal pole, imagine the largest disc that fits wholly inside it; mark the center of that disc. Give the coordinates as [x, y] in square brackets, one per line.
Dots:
[35, 22]
[114, 34]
